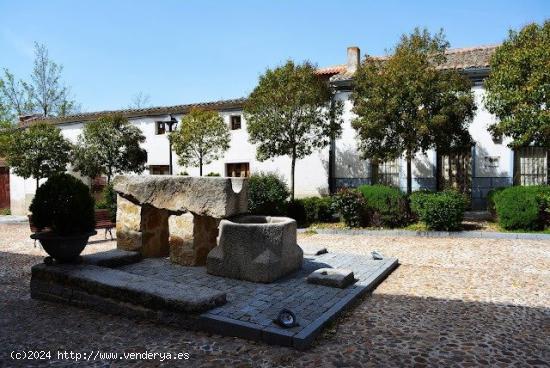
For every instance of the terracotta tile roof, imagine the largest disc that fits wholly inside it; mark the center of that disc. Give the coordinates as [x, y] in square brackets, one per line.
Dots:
[149, 111]
[330, 70]
[460, 58]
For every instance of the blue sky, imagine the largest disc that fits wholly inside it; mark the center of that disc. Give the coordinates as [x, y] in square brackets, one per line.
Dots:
[190, 51]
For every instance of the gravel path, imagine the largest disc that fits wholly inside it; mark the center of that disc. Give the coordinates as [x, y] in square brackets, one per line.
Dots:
[452, 302]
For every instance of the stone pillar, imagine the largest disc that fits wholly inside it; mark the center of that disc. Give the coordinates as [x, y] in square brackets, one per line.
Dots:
[190, 244]
[128, 225]
[154, 232]
[142, 229]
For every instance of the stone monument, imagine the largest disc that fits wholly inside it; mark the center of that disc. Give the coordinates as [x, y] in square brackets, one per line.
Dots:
[255, 248]
[145, 204]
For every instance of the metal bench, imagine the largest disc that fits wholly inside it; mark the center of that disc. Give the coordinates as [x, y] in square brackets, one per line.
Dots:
[102, 221]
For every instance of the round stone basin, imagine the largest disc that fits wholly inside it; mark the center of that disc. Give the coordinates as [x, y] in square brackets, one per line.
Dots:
[255, 248]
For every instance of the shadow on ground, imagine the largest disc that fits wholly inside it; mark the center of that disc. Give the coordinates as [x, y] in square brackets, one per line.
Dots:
[381, 330]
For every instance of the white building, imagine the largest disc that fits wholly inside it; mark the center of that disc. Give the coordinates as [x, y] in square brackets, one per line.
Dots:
[489, 164]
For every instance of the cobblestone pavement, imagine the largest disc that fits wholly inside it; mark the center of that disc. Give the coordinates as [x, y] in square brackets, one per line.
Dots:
[452, 302]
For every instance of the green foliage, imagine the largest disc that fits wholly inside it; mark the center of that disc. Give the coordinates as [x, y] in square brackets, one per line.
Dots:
[7, 130]
[318, 209]
[5, 212]
[440, 210]
[407, 103]
[523, 208]
[517, 208]
[109, 146]
[184, 173]
[201, 137]
[64, 205]
[387, 205]
[108, 201]
[213, 174]
[518, 87]
[352, 207]
[289, 113]
[43, 93]
[491, 196]
[39, 151]
[267, 194]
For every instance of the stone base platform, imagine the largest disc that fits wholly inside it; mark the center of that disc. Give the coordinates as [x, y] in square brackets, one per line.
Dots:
[191, 298]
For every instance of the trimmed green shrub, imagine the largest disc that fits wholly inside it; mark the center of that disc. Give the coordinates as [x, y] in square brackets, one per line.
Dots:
[440, 210]
[267, 194]
[212, 174]
[491, 195]
[318, 209]
[108, 201]
[64, 205]
[416, 202]
[352, 207]
[522, 208]
[387, 205]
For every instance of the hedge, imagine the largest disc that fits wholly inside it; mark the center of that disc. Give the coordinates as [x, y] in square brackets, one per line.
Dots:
[387, 206]
[352, 207]
[267, 194]
[523, 207]
[439, 211]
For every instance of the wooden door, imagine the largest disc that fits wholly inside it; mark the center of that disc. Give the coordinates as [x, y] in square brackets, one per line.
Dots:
[4, 187]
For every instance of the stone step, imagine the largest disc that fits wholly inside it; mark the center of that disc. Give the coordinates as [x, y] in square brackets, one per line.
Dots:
[112, 258]
[64, 282]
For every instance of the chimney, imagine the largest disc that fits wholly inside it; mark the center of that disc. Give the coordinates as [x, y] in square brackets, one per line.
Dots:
[354, 55]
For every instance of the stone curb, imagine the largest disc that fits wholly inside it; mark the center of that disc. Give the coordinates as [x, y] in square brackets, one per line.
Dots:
[432, 234]
[12, 219]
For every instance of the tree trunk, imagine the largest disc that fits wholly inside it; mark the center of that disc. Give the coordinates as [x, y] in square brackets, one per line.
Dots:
[200, 166]
[37, 183]
[292, 169]
[409, 173]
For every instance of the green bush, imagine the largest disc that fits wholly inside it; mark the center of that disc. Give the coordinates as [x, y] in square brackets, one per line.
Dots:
[387, 205]
[267, 194]
[213, 174]
[352, 207]
[523, 208]
[491, 196]
[108, 201]
[64, 205]
[318, 209]
[416, 202]
[439, 211]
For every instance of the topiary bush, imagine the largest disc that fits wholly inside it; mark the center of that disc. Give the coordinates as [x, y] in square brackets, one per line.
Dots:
[267, 194]
[387, 205]
[491, 196]
[441, 210]
[64, 205]
[416, 202]
[318, 209]
[522, 208]
[352, 207]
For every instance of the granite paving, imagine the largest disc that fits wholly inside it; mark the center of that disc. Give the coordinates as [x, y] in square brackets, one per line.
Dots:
[451, 303]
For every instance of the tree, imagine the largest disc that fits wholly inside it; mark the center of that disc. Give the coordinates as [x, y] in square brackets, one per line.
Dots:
[109, 146]
[38, 151]
[140, 101]
[518, 88]
[290, 113]
[201, 137]
[44, 93]
[408, 103]
[7, 131]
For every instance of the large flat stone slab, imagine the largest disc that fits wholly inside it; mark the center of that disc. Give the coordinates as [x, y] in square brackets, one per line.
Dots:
[124, 287]
[112, 258]
[204, 196]
[333, 277]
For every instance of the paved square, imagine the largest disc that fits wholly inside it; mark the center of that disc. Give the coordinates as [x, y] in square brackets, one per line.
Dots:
[252, 307]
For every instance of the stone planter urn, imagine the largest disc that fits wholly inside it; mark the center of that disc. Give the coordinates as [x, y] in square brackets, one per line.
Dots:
[63, 248]
[255, 248]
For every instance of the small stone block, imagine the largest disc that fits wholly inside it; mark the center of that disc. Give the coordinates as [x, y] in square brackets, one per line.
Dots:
[333, 277]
